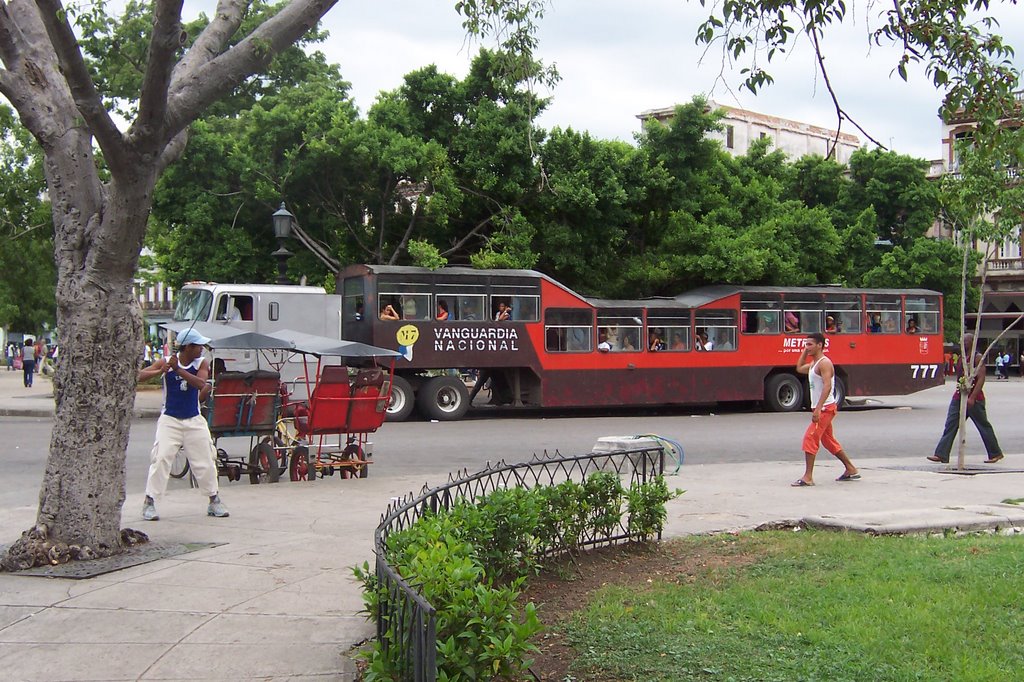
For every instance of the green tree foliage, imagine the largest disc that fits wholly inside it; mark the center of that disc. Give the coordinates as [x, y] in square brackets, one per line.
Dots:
[930, 264]
[896, 186]
[956, 47]
[27, 275]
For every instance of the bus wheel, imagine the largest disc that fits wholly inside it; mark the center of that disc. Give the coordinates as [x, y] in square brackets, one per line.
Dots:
[784, 393]
[402, 400]
[840, 393]
[443, 398]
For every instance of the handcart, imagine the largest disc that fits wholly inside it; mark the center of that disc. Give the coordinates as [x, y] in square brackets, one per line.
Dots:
[329, 433]
[324, 429]
[246, 404]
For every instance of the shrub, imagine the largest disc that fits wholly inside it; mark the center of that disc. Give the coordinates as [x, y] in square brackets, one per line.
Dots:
[470, 562]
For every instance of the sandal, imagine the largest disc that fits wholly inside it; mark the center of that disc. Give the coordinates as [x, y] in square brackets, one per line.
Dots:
[800, 483]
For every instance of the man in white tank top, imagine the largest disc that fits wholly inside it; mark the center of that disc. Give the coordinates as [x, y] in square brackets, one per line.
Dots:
[821, 377]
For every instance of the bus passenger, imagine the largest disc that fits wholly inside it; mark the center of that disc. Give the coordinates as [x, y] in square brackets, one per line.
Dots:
[442, 309]
[911, 326]
[701, 342]
[655, 343]
[629, 341]
[875, 323]
[603, 345]
[504, 313]
[388, 313]
[889, 326]
[830, 324]
[792, 322]
[677, 342]
[409, 308]
[723, 341]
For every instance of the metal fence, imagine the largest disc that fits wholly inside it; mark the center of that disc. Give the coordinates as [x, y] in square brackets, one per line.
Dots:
[406, 624]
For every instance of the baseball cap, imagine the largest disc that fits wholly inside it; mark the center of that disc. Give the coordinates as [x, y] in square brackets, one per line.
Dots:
[190, 336]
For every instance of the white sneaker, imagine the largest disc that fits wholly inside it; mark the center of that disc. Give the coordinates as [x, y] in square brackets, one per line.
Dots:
[149, 511]
[217, 508]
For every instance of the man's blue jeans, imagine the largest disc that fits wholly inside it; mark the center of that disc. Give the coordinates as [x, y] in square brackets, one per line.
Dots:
[976, 413]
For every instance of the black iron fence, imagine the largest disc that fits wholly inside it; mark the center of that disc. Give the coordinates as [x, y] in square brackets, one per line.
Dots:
[406, 624]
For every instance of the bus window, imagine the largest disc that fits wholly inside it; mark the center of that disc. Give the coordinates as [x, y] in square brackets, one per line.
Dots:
[674, 326]
[525, 308]
[924, 311]
[842, 314]
[884, 315]
[720, 327]
[568, 330]
[802, 316]
[760, 315]
[469, 308]
[409, 300]
[620, 325]
[234, 308]
[352, 299]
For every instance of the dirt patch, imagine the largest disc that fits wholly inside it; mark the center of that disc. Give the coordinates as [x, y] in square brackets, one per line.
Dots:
[567, 586]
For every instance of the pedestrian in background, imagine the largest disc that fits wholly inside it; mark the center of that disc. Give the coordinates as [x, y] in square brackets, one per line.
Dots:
[28, 362]
[9, 354]
[975, 411]
[40, 349]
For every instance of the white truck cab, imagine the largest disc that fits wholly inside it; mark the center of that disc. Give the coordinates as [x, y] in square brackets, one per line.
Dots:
[260, 308]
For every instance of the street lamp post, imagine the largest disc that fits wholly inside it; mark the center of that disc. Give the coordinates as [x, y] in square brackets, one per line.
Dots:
[282, 220]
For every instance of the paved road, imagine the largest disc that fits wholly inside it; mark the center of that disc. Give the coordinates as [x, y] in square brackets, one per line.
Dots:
[893, 426]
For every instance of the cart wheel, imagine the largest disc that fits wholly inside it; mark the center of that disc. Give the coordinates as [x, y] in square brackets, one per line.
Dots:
[263, 466]
[364, 470]
[301, 468]
[179, 467]
[351, 452]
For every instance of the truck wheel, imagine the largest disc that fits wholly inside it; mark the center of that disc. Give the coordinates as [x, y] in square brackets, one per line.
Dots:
[402, 400]
[443, 398]
[784, 393]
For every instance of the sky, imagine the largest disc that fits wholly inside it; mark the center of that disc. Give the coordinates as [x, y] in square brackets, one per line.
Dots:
[617, 59]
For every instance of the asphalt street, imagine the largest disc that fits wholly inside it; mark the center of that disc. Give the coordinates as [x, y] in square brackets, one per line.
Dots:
[894, 426]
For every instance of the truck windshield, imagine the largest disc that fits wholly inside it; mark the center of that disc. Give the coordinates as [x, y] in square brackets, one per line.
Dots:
[193, 304]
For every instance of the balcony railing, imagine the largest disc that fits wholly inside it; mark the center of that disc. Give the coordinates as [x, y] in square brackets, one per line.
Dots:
[1006, 264]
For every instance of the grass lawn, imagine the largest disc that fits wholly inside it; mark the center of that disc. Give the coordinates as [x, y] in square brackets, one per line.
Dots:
[807, 605]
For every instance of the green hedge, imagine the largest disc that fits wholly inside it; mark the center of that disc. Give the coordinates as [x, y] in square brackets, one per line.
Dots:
[470, 563]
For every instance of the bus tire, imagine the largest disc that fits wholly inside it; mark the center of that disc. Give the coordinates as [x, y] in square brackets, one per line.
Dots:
[784, 393]
[840, 392]
[443, 398]
[402, 400]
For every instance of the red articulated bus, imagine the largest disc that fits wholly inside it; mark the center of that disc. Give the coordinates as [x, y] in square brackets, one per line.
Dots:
[543, 345]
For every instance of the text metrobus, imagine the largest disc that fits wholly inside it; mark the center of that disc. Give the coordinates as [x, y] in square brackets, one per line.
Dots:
[561, 349]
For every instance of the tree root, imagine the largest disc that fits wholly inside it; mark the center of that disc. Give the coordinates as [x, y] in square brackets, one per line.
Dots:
[34, 548]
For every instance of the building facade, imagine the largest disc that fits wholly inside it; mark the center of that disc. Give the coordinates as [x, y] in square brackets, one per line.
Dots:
[1004, 279]
[741, 127]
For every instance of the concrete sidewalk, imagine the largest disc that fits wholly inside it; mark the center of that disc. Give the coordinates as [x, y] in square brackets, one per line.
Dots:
[37, 401]
[275, 598]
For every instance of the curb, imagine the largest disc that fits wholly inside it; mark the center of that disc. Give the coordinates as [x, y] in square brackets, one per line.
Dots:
[49, 414]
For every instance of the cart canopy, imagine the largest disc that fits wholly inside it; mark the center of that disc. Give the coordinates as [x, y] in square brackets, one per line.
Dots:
[325, 346]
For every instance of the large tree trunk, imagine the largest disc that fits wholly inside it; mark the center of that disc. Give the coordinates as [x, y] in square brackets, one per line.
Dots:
[98, 232]
[99, 229]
